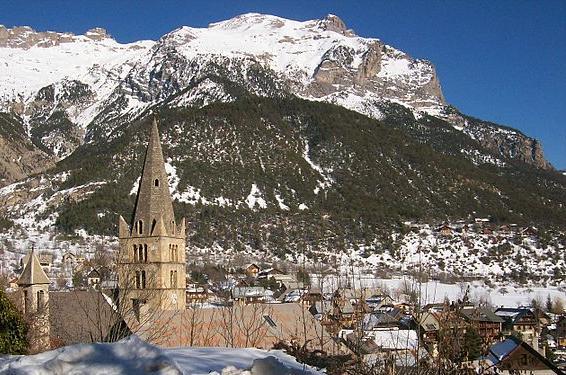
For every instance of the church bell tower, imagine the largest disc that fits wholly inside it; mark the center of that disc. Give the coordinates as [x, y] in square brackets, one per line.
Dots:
[151, 261]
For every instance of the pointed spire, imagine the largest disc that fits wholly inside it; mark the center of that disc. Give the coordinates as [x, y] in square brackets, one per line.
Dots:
[154, 199]
[33, 273]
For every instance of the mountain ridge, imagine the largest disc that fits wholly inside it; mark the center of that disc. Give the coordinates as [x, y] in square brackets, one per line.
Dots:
[319, 60]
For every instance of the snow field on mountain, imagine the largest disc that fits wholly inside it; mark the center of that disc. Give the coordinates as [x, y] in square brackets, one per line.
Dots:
[25, 71]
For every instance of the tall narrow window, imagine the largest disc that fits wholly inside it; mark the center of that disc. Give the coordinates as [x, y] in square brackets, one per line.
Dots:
[145, 253]
[143, 279]
[135, 253]
[26, 304]
[140, 226]
[40, 300]
[156, 182]
[138, 279]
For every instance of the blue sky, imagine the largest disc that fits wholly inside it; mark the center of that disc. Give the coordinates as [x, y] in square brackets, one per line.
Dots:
[503, 61]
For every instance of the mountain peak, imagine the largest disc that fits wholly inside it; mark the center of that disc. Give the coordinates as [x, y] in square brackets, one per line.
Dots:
[97, 33]
[334, 23]
[25, 37]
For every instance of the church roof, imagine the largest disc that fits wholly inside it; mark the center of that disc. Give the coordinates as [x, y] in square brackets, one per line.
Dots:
[153, 200]
[33, 273]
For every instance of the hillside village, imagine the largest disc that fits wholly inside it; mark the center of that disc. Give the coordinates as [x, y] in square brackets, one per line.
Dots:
[165, 294]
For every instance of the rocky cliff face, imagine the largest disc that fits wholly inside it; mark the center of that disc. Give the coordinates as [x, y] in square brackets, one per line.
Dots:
[70, 89]
[19, 157]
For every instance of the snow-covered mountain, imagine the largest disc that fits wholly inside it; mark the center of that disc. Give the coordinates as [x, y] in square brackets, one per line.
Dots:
[277, 134]
[68, 89]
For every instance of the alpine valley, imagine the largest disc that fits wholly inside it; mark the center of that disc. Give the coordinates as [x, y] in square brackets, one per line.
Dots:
[285, 140]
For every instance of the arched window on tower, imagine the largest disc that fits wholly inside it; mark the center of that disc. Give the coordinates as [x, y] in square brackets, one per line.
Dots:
[143, 279]
[140, 226]
[138, 279]
[135, 253]
[156, 182]
[145, 253]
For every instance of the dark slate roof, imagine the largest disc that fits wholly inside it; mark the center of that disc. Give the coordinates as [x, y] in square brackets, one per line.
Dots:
[481, 315]
[512, 314]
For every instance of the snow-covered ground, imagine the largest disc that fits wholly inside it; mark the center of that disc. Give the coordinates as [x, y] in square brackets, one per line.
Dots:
[134, 356]
[508, 294]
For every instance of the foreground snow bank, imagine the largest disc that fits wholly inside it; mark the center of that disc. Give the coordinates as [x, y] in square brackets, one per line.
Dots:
[134, 356]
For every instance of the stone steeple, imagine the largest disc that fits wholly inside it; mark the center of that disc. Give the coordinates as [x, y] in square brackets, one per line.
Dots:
[154, 207]
[34, 288]
[151, 260]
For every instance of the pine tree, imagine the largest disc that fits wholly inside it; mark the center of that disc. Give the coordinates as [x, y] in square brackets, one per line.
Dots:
[13, 328]
[548, 303]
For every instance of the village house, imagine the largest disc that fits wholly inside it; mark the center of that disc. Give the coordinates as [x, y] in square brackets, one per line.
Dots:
[197, 293]
[283, 280]
[445, 230]
[521, 320]
[69, 259]
[487, 323]
[252, 270]
[377, 301]
[429, 327]
[93, 278]
[250, 294]
[514, 356]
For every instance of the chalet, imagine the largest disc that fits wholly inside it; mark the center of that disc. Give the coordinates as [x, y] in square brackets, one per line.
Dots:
[69, 258]
[514, 356]
[93, 278]
[377, 301]
[383, 344]
[445, 230]
[521, 320]
[196, 293]
[429, 327]
[344, 312]
[487, 324]
[250, 294]
[379, 320]
[252, 270]
[284, 280]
